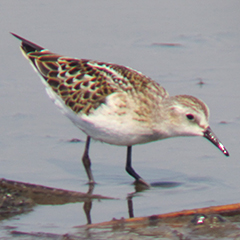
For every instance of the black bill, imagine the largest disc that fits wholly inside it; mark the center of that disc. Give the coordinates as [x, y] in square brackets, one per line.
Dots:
[212, 138]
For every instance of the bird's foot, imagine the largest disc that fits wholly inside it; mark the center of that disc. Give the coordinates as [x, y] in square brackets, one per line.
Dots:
[141, 185]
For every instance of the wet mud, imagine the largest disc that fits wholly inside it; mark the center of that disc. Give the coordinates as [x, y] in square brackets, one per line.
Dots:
[218, 222]
[18, 197]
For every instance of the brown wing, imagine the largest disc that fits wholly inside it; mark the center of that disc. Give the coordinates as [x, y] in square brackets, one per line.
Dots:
[83, 84]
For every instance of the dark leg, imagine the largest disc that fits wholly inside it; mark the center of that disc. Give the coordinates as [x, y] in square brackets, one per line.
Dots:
[87, 162]
[130, 170]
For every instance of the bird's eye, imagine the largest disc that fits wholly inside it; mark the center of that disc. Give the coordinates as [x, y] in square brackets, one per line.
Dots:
[190, 116]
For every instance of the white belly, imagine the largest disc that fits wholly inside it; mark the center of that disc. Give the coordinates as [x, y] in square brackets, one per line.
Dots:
[110, 122]
[115, 129]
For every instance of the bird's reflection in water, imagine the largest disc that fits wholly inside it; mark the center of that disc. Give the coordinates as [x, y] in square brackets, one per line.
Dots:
[87, 206]
[139, 187]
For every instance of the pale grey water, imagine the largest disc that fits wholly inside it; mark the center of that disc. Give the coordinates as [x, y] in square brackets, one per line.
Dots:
[34, 134]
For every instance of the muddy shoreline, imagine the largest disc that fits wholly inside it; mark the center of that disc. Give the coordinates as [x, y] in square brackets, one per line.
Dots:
[211, 222]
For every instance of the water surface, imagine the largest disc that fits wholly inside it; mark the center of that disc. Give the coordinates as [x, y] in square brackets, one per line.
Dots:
[178, 44]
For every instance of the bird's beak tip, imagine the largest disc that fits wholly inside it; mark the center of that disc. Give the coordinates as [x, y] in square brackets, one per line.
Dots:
[208, 133]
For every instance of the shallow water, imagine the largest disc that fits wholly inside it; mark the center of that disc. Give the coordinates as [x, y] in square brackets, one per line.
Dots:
[34, 140]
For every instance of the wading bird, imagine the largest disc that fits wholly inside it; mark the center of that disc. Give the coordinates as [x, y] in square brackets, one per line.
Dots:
[116, 104]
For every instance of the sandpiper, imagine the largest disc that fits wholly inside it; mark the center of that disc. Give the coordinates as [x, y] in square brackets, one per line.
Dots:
[116, 104]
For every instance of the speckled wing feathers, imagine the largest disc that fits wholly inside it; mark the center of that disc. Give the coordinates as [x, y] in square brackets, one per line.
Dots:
[84, 84]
